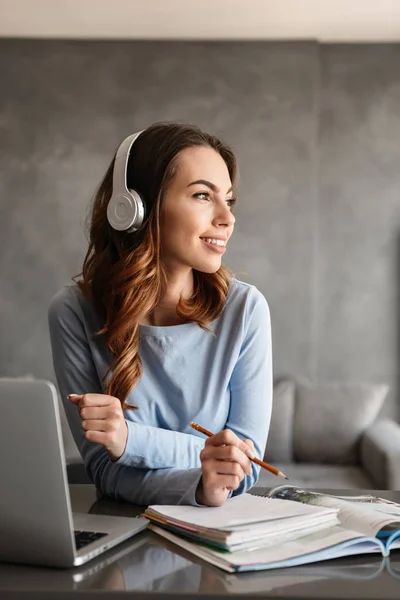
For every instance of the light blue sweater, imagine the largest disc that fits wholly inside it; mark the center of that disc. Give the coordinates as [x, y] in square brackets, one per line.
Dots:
[188, 375]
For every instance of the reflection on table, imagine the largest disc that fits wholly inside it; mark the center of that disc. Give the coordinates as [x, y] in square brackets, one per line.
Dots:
[149, 563]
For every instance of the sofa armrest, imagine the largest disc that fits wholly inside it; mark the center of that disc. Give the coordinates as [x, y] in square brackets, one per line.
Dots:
[380, 454]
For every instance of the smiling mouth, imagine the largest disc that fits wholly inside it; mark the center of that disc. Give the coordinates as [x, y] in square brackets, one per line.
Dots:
[216, 241]
[214, 247]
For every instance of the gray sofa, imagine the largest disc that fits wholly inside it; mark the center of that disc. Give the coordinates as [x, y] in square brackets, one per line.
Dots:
[321, 435]
[330, 435]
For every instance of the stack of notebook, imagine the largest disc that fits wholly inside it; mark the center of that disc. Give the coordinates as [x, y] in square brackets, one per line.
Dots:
[245, 523]
[253, 533]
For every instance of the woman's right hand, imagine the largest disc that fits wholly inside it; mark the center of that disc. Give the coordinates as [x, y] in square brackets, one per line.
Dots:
[225, 460]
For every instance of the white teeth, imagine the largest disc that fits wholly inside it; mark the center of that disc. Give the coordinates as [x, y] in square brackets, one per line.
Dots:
[216, 242]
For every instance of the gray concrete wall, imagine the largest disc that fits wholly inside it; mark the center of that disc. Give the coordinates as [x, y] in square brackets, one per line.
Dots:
[357, 270]
[316, 130]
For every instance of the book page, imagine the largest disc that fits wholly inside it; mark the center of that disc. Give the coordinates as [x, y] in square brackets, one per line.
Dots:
[291, 492]
[322, 545]
[240, 510]
[366, 514]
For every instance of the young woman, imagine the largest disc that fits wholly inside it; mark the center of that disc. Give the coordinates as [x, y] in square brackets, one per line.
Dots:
[157, 334]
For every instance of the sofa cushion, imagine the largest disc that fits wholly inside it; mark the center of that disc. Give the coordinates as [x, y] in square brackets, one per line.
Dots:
[280, 437]
[330, 419]
[317, 476]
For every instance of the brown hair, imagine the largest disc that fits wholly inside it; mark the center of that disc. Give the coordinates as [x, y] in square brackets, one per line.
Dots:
[122, 275]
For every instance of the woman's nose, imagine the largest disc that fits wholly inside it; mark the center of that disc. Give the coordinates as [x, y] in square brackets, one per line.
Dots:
[226, 218]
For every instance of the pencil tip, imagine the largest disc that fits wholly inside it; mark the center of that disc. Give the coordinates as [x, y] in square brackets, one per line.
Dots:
[286, 477]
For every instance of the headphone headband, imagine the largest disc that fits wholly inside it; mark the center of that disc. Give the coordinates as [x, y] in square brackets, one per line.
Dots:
[121, 163]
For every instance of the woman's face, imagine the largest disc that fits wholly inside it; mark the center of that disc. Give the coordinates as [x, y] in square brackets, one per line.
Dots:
[197, 207]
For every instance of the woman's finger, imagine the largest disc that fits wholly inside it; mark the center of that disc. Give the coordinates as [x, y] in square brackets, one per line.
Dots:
[224, 437]
[75, 398]
[98, 437]
[224, 467]
[96, 425]
[228, 438]
[229, 482]
[92, 399]
[248, 448]
[93, 412]
[231, 454]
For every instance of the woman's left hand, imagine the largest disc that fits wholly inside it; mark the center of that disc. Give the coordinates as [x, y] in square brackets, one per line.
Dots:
[103, 421]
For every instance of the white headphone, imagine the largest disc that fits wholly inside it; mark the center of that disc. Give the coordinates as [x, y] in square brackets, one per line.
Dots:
[126, 209]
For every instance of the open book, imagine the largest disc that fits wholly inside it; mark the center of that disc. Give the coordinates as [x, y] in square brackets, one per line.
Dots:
[244, 535]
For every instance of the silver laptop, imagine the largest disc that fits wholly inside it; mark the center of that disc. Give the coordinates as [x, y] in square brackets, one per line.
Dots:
[36, 522]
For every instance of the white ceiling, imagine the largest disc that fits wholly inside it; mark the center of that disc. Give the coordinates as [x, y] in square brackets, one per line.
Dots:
[324, 20]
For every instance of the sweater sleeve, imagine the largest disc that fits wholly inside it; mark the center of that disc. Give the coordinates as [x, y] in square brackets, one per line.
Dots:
[170, 483]
[251, 383]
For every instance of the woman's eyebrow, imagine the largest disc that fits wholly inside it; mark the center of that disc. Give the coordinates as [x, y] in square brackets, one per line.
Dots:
[212, 186]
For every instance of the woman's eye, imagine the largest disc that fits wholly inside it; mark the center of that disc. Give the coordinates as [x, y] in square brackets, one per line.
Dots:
[206, 196]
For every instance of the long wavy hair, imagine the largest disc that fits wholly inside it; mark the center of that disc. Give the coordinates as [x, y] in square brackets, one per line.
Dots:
[123, 276]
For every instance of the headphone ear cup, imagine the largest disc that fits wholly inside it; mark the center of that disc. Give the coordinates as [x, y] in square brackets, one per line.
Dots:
[126, 211]
[140, 208]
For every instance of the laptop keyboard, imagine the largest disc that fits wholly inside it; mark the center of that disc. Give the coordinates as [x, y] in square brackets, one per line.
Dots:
[82, 538]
